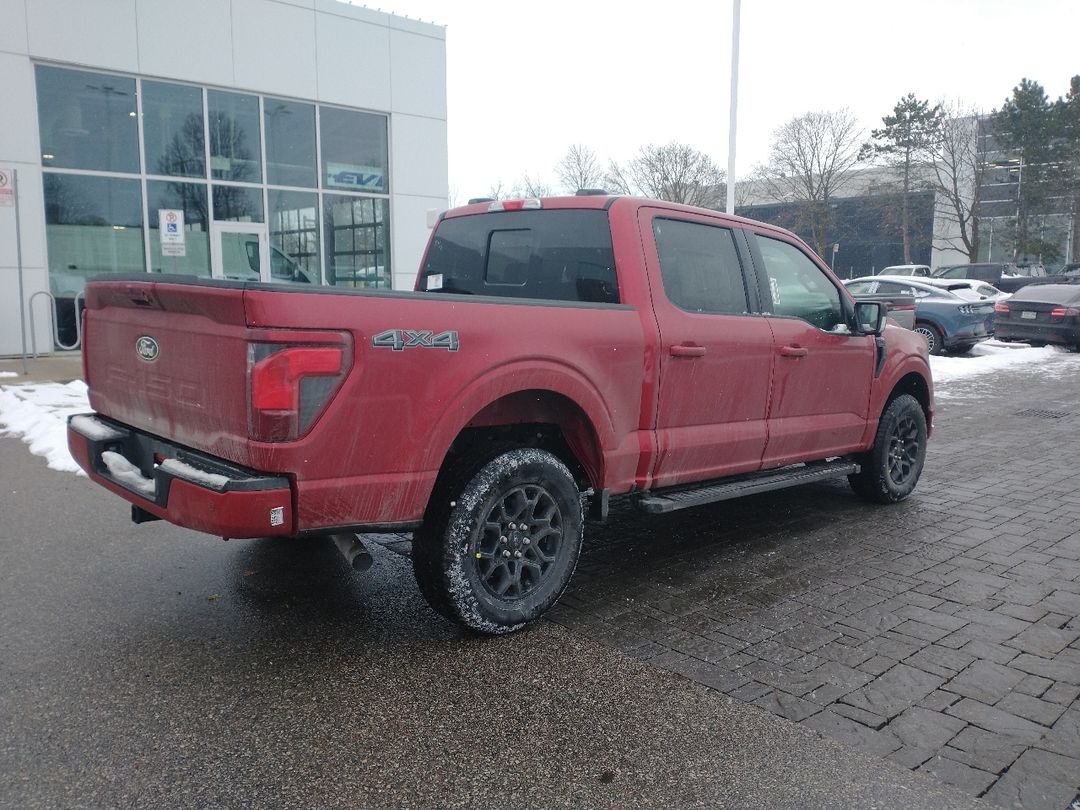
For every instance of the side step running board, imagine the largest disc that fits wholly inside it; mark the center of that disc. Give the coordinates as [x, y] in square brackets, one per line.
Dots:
[670, 500]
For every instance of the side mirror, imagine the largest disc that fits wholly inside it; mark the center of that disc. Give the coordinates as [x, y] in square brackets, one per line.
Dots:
[870, 317]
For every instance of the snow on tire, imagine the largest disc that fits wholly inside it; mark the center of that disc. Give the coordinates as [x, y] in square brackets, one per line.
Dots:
[497, 550]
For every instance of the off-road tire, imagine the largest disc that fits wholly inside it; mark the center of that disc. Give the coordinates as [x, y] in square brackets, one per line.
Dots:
[892, 468]
[935, 341]
[466, 550]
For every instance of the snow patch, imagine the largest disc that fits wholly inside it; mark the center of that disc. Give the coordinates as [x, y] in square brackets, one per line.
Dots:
[193, 474]
[95, 429]
[9, 374]
[128, 474]
[38, 414]
[988, 357]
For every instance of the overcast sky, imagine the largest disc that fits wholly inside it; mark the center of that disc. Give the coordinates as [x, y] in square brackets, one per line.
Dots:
[527, 80]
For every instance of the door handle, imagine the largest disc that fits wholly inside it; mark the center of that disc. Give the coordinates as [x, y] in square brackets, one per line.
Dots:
[792, 351]
[687, 351]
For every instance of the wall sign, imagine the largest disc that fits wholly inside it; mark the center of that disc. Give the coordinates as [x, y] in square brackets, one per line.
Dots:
[171, 231]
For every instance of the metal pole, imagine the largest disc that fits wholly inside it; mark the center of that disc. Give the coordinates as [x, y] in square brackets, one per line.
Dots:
[18, 264]
[734, 106]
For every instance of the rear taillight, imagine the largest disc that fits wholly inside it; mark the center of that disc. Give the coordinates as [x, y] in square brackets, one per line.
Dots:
[1064, 312]
[290, 386]
[1001, 309]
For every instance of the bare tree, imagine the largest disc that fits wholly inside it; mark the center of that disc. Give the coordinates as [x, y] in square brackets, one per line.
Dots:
[529, 186]
[957, 177]
[674, 172]
[579, 169]
[810, 163]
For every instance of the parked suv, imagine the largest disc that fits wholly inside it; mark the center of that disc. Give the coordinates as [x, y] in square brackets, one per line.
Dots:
[1006, 276]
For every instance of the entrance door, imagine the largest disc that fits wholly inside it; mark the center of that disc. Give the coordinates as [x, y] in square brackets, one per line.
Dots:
[240, 251]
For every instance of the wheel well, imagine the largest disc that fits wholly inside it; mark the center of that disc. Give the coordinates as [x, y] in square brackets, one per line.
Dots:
[541, 419]
[914, 384]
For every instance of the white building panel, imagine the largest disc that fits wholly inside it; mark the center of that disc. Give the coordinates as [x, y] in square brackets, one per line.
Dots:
[418, 71]
[13, 29]
[411, 235]
[274, 48]
[101, 33]
[353, 62]
[190, 41]
[18, 100]
[418, 156]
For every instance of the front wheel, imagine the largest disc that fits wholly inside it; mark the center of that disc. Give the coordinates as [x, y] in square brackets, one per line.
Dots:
[892, 468]
[499, 545]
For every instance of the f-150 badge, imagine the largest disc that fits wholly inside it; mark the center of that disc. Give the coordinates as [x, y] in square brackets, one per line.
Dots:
[401, 339]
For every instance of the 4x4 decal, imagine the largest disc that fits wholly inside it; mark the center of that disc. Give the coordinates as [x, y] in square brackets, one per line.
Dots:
[401, 339]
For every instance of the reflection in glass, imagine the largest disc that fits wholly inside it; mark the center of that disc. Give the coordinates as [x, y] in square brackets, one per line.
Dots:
[93, 225]
[87, 120]
[240, 259]
[235, 153]
[237, 204]
[294, 236]
[173, 129]
[357, 241]
[290, 143]
[191, 199]
[354, 154]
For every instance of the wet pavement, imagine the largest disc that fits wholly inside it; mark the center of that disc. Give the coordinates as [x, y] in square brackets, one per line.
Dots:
[942, 634]
[795, 649]
[148, 667]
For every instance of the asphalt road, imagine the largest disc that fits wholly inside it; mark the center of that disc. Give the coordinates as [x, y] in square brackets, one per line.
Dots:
[148, 666]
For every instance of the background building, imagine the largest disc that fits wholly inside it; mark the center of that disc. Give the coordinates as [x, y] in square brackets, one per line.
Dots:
[298, 141]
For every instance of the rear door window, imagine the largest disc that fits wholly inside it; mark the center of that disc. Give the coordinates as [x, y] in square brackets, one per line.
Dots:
[560, 255]
[700, 267]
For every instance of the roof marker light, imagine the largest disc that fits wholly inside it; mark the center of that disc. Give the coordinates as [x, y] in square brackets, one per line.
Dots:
[515, 205]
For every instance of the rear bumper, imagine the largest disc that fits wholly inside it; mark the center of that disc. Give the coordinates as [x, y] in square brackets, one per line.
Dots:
[1064, 334]
[184, 487]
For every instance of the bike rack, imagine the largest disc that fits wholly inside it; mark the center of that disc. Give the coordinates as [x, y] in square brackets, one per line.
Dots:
[53, 323]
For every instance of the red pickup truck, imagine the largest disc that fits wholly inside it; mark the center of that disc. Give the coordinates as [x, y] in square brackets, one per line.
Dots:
[555, 354]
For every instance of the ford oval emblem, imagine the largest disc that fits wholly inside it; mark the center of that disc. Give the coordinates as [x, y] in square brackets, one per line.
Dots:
[147, 348]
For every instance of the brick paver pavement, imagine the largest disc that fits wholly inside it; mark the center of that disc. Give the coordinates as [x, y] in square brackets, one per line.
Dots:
[942, 633]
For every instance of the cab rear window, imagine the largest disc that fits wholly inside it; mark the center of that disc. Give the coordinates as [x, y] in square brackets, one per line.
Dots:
[560, 255]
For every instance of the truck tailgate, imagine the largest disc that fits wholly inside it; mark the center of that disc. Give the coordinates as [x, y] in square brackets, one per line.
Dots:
[171, 359]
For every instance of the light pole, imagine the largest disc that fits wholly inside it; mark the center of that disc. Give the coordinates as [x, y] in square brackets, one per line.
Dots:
[734, 106]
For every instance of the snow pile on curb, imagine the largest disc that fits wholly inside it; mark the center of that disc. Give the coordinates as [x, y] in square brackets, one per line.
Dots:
[38, 415]
[988, 357]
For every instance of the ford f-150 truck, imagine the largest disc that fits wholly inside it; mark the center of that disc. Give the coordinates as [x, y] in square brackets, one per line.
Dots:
[555, 354]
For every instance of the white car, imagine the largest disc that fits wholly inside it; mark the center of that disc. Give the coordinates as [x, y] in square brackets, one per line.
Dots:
[982, 289]
[920, 270]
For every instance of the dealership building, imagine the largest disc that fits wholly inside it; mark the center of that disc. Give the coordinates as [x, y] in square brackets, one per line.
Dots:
[292, 141]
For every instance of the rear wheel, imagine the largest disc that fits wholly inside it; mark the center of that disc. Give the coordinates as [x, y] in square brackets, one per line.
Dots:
[935, 341]
[500, 543]
[892, 468]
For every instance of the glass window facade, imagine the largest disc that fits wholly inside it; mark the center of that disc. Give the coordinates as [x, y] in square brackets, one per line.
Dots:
[290, 143]
[118, 150]
[173, 129]
[87, 120]
[353, 150]
[235, 148]
[357, 241]
[191, 199]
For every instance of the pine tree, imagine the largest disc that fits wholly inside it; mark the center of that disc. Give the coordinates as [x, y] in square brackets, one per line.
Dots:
[1028, 124]
[1069, 128]
[906, 142]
